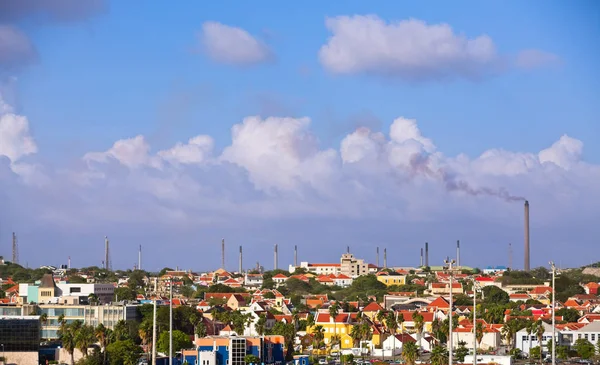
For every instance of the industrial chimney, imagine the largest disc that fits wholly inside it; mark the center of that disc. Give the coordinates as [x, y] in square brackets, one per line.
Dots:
[240, 265]
[385, 258]
[140, 258]
[526, 266]
[377, 256]
[421, 262]
[223, 254]
[295, 256]
[275, 258]
[457, 253]
[347, 249]
[106, 263]
[426, 254]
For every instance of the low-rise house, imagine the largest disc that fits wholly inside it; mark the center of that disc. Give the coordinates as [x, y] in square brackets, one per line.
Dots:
[253, 280]
[393, 344]
[444, 288]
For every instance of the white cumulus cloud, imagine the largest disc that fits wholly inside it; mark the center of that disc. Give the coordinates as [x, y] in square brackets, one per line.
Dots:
[232, 45]
[411, 49]
[274, 174]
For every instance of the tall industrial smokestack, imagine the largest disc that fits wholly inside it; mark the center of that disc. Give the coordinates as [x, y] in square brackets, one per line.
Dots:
[421, 262]
[377, 256]
[385, 258]
[347, 249]
[69, 263]
[140, 258]
[223, 254]
[526, 266]
[106, 263]
[275, 258]
[426, 254]
[295, 256]
[457, 253]
[240, 266]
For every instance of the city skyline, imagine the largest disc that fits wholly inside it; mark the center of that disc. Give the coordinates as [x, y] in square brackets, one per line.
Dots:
[350, 124]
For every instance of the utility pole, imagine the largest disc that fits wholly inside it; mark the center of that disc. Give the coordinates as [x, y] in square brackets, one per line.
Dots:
[171, 322]
[553, 267]
[449, 264]
[154, 323]
[476, 288]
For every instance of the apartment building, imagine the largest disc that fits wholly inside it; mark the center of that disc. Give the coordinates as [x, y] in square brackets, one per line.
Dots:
[91, 315]
[47, 291]
[349, 266]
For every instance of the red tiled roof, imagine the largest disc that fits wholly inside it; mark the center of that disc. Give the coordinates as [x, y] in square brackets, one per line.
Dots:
[439, 302]
[372, 307]
[538, 290]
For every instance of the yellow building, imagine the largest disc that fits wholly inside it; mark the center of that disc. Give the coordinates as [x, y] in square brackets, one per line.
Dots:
[391, 278]
[46, 289]
[342, 326]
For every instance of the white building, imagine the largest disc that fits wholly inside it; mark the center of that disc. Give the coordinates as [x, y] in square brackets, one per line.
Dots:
[590, 332]
[68, 293]
[524, 341]
[491, 339]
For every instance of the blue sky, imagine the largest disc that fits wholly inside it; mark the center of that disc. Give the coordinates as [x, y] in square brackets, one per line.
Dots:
[137, 68]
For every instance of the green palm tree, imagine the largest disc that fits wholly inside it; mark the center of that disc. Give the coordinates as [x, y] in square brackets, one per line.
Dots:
[67, 338]
[102, 335]
[539, 332]
[310, 320]
[334, 310]
[480, 332]
[392, 326]
[419, 321]
[201, 330]
[410, 351]
[261, 324]
[439, 356]
[356, 334]
[319, 335]
[84, 338]
[145, 333]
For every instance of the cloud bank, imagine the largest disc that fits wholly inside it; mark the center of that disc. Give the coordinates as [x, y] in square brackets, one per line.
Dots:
[274, 172]
[414, 50]
[232, 45]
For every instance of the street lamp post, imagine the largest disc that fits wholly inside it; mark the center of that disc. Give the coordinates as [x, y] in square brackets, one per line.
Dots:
[475, 289]
[449, 264]
[553, 267]
[171, 322]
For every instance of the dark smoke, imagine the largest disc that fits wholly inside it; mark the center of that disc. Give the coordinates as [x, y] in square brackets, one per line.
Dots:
[419, 164]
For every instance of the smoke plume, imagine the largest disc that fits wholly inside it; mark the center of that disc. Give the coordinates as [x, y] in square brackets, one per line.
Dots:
[419, 164]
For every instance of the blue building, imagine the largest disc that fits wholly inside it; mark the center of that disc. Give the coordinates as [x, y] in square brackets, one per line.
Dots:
[220, 350]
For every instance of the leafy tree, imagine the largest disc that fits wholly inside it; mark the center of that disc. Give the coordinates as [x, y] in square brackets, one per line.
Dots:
[201, 330]
[164, 271]
[462, 300]
[95, 358]
[288, 331]
[251, 359]
[76, 279]
[269, 295]
[584, 348]
[562, 352]
[535, 352]
[297, 286]
[125, 293]
[180, 341]
[123, 352]
[136, 280]
[187, 291]
[461, 351]
[569, 314]
[493, 294]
